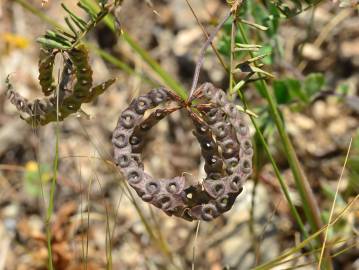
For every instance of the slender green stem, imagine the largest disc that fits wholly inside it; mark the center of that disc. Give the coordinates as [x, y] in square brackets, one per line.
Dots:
[166, 78]
[119, 63]
[282, 183]
[310, 205]
[50, 208]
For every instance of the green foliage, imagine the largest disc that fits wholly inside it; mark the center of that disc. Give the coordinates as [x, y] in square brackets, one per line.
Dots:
[291, 90]
[291, 8]
[77, 28]
[353, 166]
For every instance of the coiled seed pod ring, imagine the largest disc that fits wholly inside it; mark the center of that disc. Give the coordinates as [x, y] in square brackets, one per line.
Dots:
[225, 144]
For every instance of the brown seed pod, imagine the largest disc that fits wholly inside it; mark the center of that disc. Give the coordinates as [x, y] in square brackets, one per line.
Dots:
[46, 66]
[45, 110]
[225, 147]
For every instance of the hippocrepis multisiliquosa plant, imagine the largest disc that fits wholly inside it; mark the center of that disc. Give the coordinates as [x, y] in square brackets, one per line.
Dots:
[75, 85]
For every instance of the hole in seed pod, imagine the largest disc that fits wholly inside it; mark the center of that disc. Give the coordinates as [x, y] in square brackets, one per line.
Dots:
[231, 109]
[214, 176]
[71, 107]
[246, 165]
[243, 129]
[202, 129]
[219, 187]
[152, 187]
[209, 145]
[208, 91]
[220, 130]
[221, 96]
[120, 140]
[142, 104]
[134, 176]
[224, 200]
[235, 183]
[172, 188]
[124, 160]
[236, 180]
[212, 160]
[208, 210]
[158, 95]
[128, 119]
[134, 140]
[228, 147]
[165, 202]
[247, 144]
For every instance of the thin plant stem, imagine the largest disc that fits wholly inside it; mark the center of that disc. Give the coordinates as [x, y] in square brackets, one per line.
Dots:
[50, 208]
[162, 245]
[203, 51]
[166, 78]
[309, 203]
[280, 258]
[207, 36]
[195, 244]
[333, 205]
[282, 183]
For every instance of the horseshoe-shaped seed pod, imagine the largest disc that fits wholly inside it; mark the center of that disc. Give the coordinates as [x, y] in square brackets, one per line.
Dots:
[46, 66]
[227, 155]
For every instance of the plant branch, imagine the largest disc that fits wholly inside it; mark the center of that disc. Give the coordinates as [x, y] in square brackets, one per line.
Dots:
[310, 205]
[203, 51]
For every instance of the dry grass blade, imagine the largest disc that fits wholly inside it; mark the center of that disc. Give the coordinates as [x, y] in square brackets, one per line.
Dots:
[284, 255]
[195, 244]
[333, 206]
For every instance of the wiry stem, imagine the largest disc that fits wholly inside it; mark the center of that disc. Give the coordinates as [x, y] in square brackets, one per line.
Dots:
[203, 51]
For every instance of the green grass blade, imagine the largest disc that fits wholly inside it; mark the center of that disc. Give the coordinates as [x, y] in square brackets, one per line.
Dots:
[166, 78]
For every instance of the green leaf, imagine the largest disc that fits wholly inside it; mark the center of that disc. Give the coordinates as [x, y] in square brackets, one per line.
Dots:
[281, 92]
[265, 50]
[313, 83]
[52, 44]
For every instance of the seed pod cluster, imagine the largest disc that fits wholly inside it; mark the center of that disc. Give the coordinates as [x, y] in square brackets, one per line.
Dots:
[42, 111]
[46, 67]
[225, 146]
